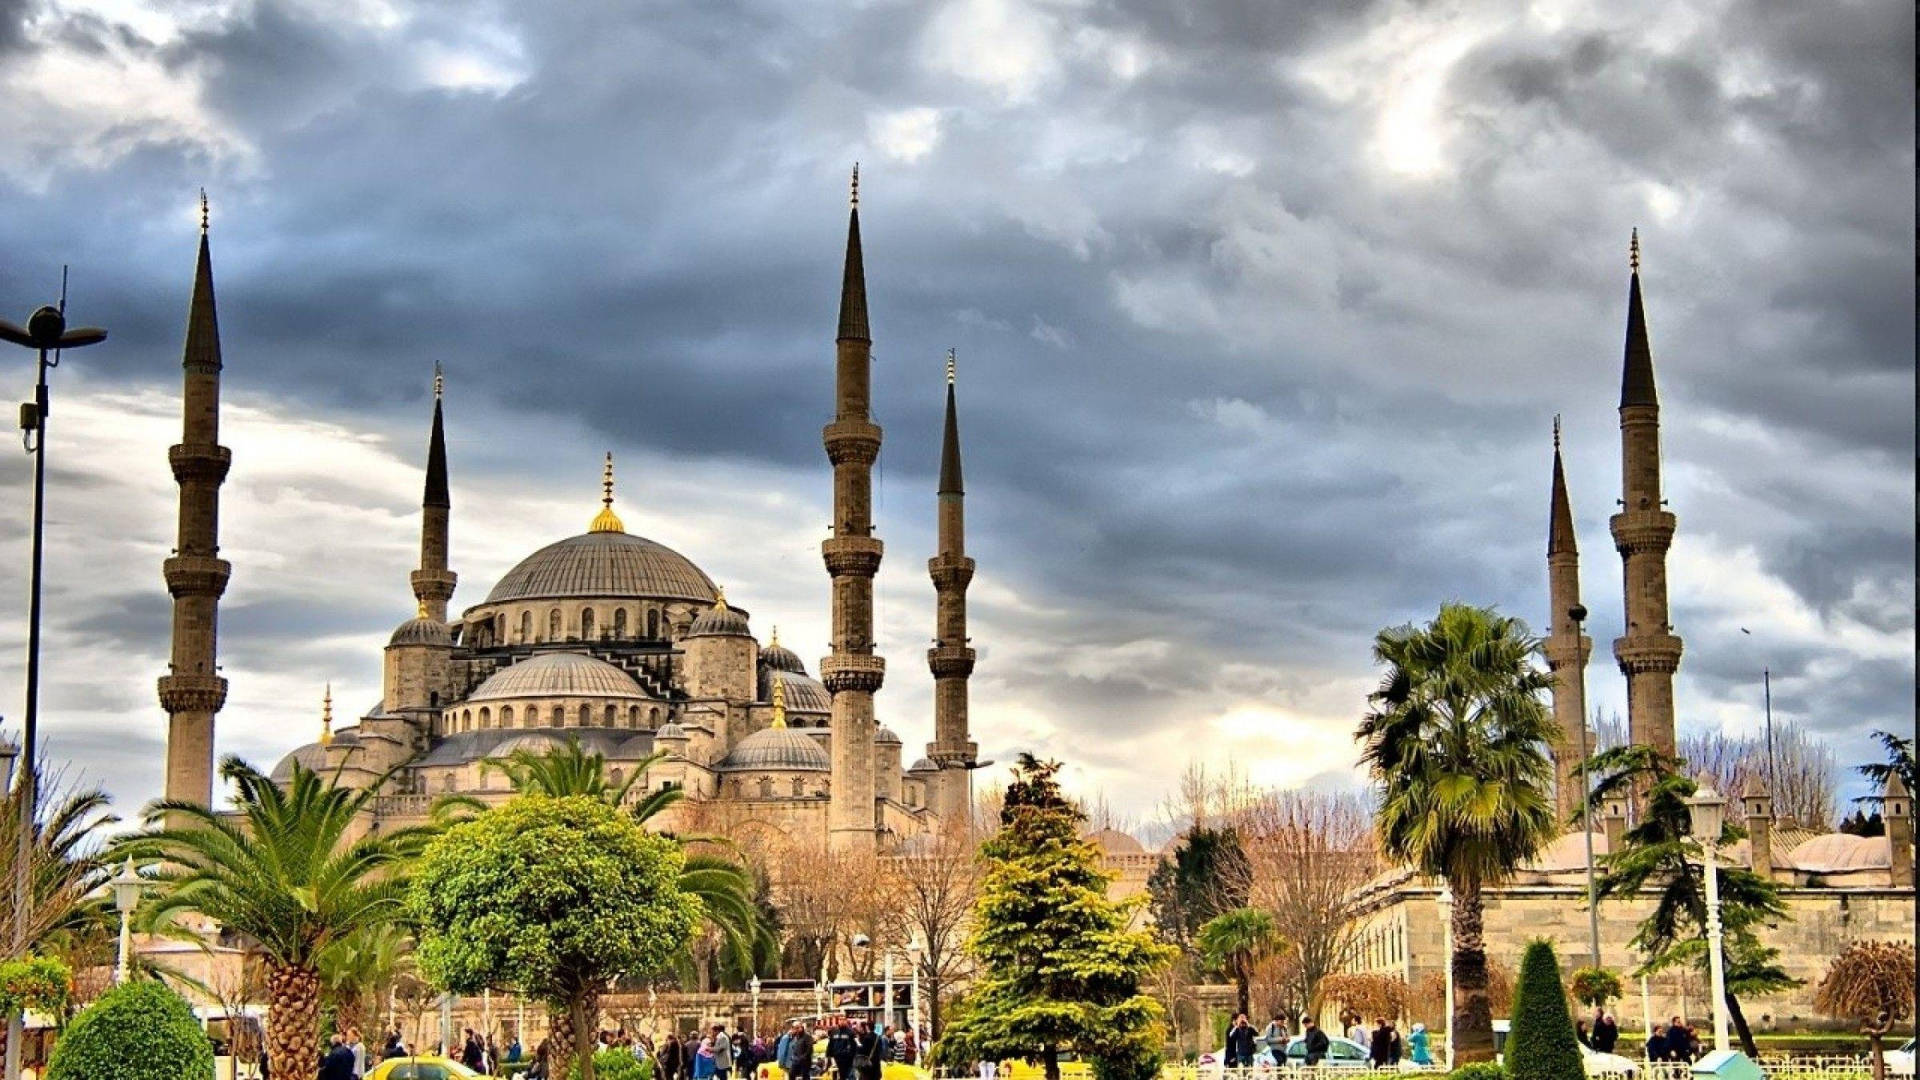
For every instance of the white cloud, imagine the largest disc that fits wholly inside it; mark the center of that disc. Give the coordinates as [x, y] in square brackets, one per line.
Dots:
[905, 135]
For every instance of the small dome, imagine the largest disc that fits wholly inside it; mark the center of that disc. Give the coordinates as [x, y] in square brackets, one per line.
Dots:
[670, 730]
[421, 631]
[312, 756]
[1568, 853]
[804, 693]
[780, 658]
[635, 748]
[924, 765]
[884, 736]
[719, 621]
[1840, 853]
[776, 749]
[605, 564]
[1114, 842]
[558, 674]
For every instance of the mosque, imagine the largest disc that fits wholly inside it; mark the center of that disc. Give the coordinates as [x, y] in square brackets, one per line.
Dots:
[615, 641]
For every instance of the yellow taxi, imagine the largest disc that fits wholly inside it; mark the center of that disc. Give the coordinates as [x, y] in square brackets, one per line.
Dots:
[890, 1070]
[420, 1068]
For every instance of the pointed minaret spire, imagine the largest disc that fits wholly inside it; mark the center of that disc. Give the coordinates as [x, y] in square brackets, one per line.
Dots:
[951, 658]
[433, 583]
[326, 717]
[779, 700]
[606, 520]
[1567, 647]
[1649, 652]
[852, 673]
[193, 691]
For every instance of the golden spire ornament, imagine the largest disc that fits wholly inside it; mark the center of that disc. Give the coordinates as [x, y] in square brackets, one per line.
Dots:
[606, 520]
[439, 381]
[950, 366]
[204, 215]
[719, 598]
[326, 717]
[1556, 433]
[1633, 252]
[853, 192]
[779, 700]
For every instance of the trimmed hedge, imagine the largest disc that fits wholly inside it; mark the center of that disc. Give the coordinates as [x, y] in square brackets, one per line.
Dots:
[137, 1031]
[1542, 1045]
[617, 1063]
[1479, 1070]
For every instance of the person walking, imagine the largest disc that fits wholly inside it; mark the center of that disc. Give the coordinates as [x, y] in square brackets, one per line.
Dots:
[1380, 1044]
[868, 1052]
[1417, 1049]
[1357, 1032]
[703, 1060]
[841, 1047]
[1317, 1041]
[338, 1062]
[1582, 1035]
[722, 1049]
[1606, 1031]
[1240, 1044]
[1656, 1048]
[909, 1047]
[1679, 1041]
[1274, 1035]
[796, 1053]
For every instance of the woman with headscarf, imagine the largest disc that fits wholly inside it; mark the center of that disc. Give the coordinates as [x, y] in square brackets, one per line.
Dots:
[1417, 1045]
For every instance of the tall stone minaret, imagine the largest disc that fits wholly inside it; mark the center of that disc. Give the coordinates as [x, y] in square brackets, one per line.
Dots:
[433, 583]
[192, 691]
[951, 659]
[852, 555]
[1648, 653]
[1567, 648]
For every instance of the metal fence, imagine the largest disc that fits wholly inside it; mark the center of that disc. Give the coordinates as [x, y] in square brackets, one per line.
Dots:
[1775, 1066]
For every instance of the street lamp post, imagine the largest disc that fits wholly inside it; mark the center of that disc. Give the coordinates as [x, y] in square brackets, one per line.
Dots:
[126, 896]
[1445, 901]
[886, 988]
[1578, 613]
[46, 332]
[1708, 809]
[914, 954]
[753, 990]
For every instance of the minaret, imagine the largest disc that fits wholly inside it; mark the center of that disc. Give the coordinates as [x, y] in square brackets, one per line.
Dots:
[192, 691]
[1648, 653]
[433, 583]
[951, 659]
[852, 673]
[326, 717]
[1566, 647]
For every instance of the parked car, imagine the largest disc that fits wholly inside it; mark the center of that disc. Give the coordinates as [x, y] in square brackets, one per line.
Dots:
[1596, 1063]
[424, 1067]
[1341, 1054]
[1900, 1062]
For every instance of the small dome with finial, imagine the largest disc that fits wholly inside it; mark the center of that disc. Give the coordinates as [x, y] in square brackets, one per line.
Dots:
[606, 520]
[780, 658]
[421, 630]
[719, 620]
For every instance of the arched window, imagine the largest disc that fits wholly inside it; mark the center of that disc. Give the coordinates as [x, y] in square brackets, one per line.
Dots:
[559, 716]
[446, 781]
[653, 716]
[620, 623]
[653, 623]
[612, 717]
[553, 625]
[766, 787]
[799, 787]
[466, 720]
[613, 777]
[486, 717]
[633, 716]
[506, 716]
[586, 716]
[526, 627]
[586, 624]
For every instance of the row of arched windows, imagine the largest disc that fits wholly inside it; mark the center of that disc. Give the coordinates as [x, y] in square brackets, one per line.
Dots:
[633, 717]
[765, 787]
[617, 625]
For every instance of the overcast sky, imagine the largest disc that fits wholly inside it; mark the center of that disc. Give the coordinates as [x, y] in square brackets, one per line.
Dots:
[1263, 313]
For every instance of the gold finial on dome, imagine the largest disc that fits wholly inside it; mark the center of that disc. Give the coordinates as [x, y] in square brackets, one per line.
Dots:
[1633, 251]
[779, 701]
[719, 598]
[773, 642]
[326, 716]
[420, 609]
[606, 520]
[950, 365]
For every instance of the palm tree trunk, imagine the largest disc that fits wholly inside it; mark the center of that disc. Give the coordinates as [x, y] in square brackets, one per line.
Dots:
[293, 1019]
[1472, 1021]
[580, 1011]
[560, 1042]
[1242, 985]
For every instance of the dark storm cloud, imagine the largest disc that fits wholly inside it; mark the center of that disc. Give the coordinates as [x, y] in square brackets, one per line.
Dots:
[1228, 382]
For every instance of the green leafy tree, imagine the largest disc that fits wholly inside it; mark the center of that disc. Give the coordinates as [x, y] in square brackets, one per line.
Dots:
[1233, 942]
[550, 898]
[1899, 751]
[728, 891]
[1659, 855]
[138, 1031]
[40, 983]
[1457, 742]
[290, 869]
[1060, 970]
[1542, 1045]
[1594, 986]
[1207, 873]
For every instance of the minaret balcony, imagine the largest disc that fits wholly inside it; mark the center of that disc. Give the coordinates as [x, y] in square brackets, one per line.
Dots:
[852, 556]
[1639, 531]
[950, 661]
[853, 671]
[854, 442]
[950, 572]
[199, 461]
[196, 575]
[1565, 650]
[433, 584]
[192, 693]
[954, 755]
[1642, 653]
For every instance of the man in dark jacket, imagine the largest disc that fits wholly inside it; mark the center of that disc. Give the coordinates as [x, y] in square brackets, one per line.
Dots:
[338, 1064]
[1240, 1044]
[796, 1053]
[1606, 1031]
[840, 1047]
[1317, 1041]
[1657, 1044]
[868, 1052]
[1679, 1041]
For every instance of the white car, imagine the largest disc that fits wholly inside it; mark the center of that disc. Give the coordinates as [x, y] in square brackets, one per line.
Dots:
[1341, 1054]
[1596, 1063]
[1900, 1062]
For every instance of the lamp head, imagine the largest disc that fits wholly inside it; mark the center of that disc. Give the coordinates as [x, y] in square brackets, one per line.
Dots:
[1707, 811]
[1578, 613]
[45, 326]
[861, 941]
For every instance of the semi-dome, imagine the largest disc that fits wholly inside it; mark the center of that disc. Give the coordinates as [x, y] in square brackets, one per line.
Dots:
[720, 620]
[780, 658]
[924, 765]
[781, 749]
[1115, 842]
[885, 735]
[804, 693]
[605, 564]
[635, 748]
[538, 745]
[421, 631]
[558, 674]
[312, 756]
[670, 730]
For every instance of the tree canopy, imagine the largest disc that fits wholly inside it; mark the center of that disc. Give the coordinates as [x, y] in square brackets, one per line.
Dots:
[1060, 970]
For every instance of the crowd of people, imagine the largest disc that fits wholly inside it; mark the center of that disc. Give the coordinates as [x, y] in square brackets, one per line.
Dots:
[1271, 1045]
[1673, 1041]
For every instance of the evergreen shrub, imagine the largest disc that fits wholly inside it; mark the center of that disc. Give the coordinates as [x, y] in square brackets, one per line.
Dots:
[1542, 1045]
[137, 1031]
[1479, 1070]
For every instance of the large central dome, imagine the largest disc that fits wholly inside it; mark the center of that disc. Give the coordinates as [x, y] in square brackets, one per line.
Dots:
[605, 564]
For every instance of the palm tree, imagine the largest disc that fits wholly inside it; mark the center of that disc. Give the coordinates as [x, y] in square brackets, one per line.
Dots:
[291, 870]
[725, 888]
[1234, 941]
[358, 971]
[64, 865]
[1456, 740]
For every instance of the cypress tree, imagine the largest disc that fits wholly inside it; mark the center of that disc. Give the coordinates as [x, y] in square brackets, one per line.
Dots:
[1542, 1045]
